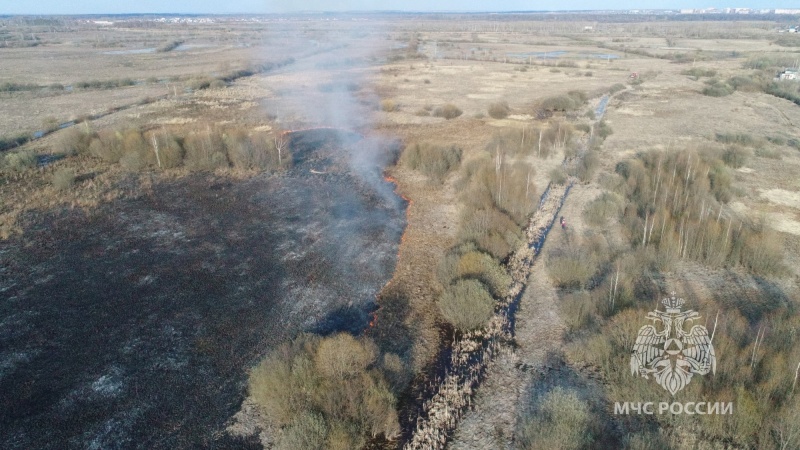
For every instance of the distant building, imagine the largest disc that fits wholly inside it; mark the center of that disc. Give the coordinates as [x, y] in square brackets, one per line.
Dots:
[788, 74]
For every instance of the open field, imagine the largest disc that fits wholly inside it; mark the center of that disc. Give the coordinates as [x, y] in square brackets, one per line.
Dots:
[181, 200]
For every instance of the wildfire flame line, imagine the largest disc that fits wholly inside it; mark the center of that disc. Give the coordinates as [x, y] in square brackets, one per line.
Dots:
[390, 179]
[285, 133]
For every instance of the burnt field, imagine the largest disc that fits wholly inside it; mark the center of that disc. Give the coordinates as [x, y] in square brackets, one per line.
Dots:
[134, 326]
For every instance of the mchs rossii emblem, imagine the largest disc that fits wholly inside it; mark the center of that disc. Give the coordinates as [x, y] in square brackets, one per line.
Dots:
[668, 352]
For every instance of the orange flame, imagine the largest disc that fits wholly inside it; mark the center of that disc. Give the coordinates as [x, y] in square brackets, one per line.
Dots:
[393, 180]
[374, 320]
[288, 132]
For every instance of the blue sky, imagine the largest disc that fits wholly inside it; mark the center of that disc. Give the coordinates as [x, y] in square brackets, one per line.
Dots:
[268, 6]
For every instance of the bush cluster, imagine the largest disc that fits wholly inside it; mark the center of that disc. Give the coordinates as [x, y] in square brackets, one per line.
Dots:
[19, 161]
[717, 88]
[448, 111]
[63, 179]
[466, 305]
[669, 207]
[106, 84]
[435, 161]
[499, 110]
[169, 46]
[564, 103]
[699, 72]
[562, 421]
[197, 148]
[325, 393]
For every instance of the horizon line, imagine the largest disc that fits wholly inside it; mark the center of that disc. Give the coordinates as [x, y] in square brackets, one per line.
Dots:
[378, 11]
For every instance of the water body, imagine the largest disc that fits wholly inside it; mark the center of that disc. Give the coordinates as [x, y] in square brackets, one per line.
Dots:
[134, 326]
[133, 51]
[601, 108]
[538, 55]
[142, 51]
[559, 53]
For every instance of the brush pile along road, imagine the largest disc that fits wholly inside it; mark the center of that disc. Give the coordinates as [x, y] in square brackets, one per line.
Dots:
[472, 353]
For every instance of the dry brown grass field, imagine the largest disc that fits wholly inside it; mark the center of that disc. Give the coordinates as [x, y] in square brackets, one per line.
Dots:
[230, 96]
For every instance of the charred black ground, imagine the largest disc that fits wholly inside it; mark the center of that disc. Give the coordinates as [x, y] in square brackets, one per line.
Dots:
[135, 326]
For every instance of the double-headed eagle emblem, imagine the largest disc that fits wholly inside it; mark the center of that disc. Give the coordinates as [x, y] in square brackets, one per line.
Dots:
[673, 355]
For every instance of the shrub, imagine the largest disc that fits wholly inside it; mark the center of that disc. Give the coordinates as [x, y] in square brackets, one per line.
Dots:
[744, 83]
[603, 130]
[586, 166]
[205, 150]
[699, 72]
[487, 227]
[562, 423]
[598, 211]
[499, 110]
[8, 142]
[169, 46]
[342, 356]
[73, 141]
[736, 138]
[199, 83]
[571, 266]
[481, 266]
[253, 151]
[217, 84]
[433, 160]
[777, 140]
[63, 179]
[570, 102]
[719, 178]
[307, 431]
[717, 89]
[132, 161]
[327, 392]
[788, 90]
[558, 176]
[18, 87]
[466, 305]
[617, 88]
[448, 111]
[389, 105]
[736, 156]
[20, 161]
[769, 153]
[763, 254]
[170, 151]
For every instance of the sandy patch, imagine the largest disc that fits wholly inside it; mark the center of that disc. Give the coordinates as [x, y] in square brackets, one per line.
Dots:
[525, 117]
[492, 89]
[745, 170]
[784, 222]
[177, 121]
[636, 112]
[782, 197]
[482, 96]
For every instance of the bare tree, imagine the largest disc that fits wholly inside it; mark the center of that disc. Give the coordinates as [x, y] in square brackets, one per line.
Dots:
[155, 149]
[281, 142]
